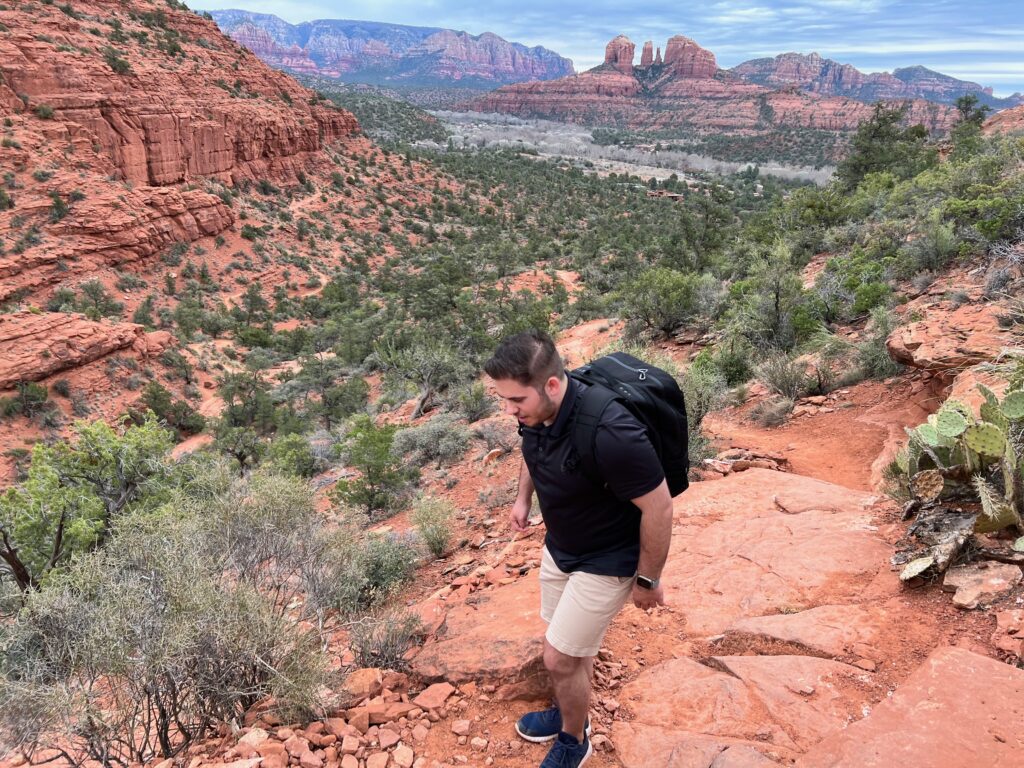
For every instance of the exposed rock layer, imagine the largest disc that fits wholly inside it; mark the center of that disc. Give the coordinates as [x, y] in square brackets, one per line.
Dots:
[687, 91]
[389, 52]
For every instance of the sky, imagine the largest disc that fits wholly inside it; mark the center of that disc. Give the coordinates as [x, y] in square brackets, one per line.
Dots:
[981, 40]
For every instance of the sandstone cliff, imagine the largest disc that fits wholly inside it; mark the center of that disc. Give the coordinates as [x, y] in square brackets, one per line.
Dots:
[376, 52]
[1007, 121]
[101, 131]
[830, 78]
[686, 91]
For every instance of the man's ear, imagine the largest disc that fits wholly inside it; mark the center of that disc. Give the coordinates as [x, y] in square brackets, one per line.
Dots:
[552, 386]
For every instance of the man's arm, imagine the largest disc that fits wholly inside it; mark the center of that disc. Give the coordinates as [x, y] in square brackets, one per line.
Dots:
[524, 500]
[655, 537]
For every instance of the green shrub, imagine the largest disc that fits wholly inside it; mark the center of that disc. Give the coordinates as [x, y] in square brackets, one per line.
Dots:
[872, 355]
[442, 440]
[384, 483]
[772, 413]
[433, 520]
[293, 455]
[389, 561]
[785, 376]
[472, 401]
[44, 111]
[115, 62]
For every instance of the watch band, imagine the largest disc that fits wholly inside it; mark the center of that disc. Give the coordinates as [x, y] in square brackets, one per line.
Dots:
[647, 583]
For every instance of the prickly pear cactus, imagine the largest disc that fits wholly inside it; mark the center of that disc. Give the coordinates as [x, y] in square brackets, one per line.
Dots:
[993, 414]
[928, 435]
[986, 439]
[988, 394]
[996, 513]
[1013, 405]
[927, 485]
[950, 423]
[916, 567]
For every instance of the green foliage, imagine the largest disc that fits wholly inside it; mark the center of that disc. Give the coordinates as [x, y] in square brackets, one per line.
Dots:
[872, 356]
[433, 520]
[139, 649]
[383, 485]
[75, 493]
[442, 440]
[472, 402]
[113, 58]
[785, 376]
[31, 399]
[175, 413]
[661, 300]
[388, 561]
[882, 144]
[293, 455]
[44, 111]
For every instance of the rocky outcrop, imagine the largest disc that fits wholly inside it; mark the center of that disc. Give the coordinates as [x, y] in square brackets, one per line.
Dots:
[163, 118]
[647, 57]
[948, 343]
[813, 73]
[686, 91]
[34, 346]
[376, 52]
[689, 60]
[960, 691]
[1007, 121]
[618, 54]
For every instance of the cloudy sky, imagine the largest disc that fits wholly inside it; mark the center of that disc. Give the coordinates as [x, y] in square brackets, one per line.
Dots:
[982, 40]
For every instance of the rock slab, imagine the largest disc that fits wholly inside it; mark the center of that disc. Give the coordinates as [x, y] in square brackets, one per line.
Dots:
[957, 709]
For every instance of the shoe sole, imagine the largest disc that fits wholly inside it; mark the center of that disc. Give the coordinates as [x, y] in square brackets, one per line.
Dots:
[542, 739]
[590, 751]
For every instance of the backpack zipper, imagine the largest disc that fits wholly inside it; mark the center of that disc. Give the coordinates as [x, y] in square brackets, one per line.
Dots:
[641, 372]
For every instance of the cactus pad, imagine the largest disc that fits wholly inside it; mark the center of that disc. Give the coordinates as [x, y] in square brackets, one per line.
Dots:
[927, 485]
[988, 394]
[950, 423]
[993, 414]
[928, 435]
[1013, 405]
[986, 439]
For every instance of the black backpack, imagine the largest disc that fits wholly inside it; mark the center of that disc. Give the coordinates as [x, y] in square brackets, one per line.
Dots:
[651, 395]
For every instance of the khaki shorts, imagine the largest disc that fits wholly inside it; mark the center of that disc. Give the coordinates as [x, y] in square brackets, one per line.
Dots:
[578, 607]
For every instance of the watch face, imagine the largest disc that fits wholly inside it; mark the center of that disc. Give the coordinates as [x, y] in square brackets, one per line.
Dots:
[644, 582]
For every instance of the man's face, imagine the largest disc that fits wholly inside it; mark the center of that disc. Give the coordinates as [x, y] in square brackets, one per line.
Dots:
[530, 406]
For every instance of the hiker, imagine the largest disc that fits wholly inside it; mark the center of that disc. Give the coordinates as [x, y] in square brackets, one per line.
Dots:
[607, 535]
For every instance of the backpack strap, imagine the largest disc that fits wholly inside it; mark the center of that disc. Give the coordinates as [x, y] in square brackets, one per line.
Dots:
[591, 407]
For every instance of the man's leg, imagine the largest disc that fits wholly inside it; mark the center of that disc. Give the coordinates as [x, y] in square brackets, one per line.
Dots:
[570, 677]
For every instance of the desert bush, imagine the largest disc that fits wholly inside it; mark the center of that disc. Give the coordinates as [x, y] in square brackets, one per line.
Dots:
[382, 640]
[772, 413]
[784, 375]
[442, 440]
[472, 401]
[872, 355]
[704, 390]
[384, 483]
[388, 561]
[293, 455]
[433, 520]
[498, 435]
[141, 648]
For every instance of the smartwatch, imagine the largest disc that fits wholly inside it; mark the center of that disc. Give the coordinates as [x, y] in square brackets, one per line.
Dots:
[645, 583]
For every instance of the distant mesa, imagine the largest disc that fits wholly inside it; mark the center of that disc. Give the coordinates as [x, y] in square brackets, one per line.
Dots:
[378, 53]
[816, 74]
[683, 57]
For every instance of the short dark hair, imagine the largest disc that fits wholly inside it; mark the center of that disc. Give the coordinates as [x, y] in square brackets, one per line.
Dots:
[529, 358]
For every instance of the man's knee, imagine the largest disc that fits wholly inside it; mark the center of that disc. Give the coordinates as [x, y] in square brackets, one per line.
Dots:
[560, 664]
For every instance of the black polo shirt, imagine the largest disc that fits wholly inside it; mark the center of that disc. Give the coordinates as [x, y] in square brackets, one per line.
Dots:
[591, 527]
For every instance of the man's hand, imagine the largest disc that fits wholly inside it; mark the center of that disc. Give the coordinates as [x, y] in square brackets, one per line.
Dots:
[518, 516]
[648, 598]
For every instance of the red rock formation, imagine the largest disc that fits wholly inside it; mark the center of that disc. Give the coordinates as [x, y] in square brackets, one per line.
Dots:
[657, 56]
[687, 59]
[34, 346]
[1007, 121]
[689, 93]
[169, 118]
[647, 57]
[619, 54]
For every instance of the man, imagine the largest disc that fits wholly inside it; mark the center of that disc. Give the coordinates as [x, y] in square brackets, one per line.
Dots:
[607, 537]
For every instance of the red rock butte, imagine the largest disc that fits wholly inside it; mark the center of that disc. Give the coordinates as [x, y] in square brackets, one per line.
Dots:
[685, 90]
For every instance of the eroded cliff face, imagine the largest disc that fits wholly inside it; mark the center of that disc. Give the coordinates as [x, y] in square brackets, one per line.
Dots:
[168, 99]
[686, 90]
[114, 113]
[389, 52]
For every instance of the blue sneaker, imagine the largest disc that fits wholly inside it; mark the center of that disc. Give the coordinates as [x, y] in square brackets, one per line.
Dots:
[543, 725]
[567, 752]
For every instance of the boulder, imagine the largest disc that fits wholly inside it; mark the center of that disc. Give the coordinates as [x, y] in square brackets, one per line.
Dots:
[978, 584]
